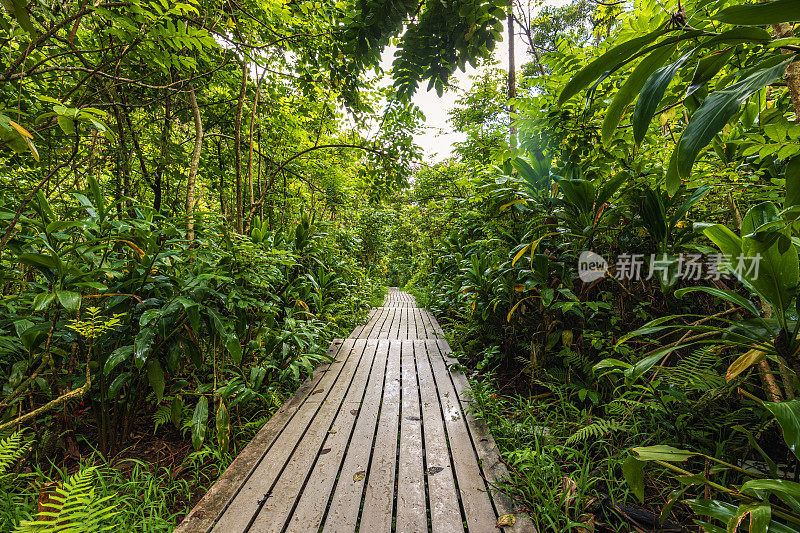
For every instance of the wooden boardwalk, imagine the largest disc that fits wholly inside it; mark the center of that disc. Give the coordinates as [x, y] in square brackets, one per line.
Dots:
[379, 440]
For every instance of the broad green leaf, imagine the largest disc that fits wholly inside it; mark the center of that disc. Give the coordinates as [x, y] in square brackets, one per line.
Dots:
[727, 241]
[651, 95]
[760, 516]
[631, 89]
[199, 422]
[662, 452]
[117, 384]
[155, 374]
[142, 345]
[788, 416]
[633, 470]
[604, 63]
[763, 14]
[707, 68]
[778, 272]
[117, 356]
[67, 124]
[69, 299]
[728, 296]
[716, 111]
[234, 348]
[43, 300]
[792, 183]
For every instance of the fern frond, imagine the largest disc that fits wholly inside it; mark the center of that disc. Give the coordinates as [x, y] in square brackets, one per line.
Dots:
[696, 371]
[162, 415]
[73, 507]
[597, 429]
[12, 448]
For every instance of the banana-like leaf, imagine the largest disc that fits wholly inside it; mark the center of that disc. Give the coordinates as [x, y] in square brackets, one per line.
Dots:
[743, 362]
[788, 416]
[651, 95]
[662, 452]
[707, 68]
[728, 296]
[716, 111]
[764, 14]
[631, 89]
[633, 471]
[199, 421]
[792, 183]
[604, 63]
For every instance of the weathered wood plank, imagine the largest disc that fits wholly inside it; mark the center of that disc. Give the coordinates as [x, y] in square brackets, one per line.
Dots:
[442, 497]
[226, 488]
[477, 504]
[411, 498]
[494, 471]
[276, 509]
[378, 504]
[345, 503]
[253, 493]
[345, 448]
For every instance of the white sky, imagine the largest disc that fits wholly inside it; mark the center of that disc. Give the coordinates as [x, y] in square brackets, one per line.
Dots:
[437, 137]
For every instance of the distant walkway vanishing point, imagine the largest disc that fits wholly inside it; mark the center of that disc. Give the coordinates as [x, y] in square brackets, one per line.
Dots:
[379, 440]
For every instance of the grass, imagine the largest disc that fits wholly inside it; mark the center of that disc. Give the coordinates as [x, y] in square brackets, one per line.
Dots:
[563, 482]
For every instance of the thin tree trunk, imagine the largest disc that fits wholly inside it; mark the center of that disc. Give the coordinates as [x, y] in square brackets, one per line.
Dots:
[162, 158]
[195, 163]
[237, 150]
[512, 76]
[253, 114]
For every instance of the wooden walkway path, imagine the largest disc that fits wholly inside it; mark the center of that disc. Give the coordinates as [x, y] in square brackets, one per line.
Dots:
[379, 440]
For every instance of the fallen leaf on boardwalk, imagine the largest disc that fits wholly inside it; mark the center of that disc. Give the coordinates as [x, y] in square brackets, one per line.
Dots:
[332, 431]
[318, 391]
[435, 469]
[507, 520]
[359, 476]
[353, 412]
[323, 451]
[413, 418]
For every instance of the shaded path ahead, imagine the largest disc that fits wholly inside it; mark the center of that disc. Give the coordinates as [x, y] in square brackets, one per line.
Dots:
[379, 440]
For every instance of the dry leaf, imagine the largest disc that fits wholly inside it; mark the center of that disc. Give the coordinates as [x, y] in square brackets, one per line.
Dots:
[507, 520]
[569, 489]
[359, 476]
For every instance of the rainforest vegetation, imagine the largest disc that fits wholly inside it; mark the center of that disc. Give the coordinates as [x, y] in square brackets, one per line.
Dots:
[196, 197]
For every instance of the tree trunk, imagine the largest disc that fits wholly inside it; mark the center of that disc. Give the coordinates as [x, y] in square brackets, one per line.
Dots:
[512, 76]
[193, 166]
[253, 113]
[162, 158]
[237, 151]
[783, 31]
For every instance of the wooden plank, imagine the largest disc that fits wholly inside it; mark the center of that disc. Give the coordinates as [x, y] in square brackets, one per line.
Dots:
[383, 333]
[442, 497]
[411, 500]
[376, 516]
[319, 486]
[346, 500]
[402, 328]
[413, 324]
[378, 316]
[494, 470]
[225, 489]
[394, 330]
[336, 414]
[477, 504]
[251, 496]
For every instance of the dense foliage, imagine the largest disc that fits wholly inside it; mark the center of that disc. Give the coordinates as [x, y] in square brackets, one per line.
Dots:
[663, 393]
[196, 197]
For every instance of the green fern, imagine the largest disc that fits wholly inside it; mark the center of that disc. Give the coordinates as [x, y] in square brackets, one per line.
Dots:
[696, 371]
[12, 448]
[73, 507]
[597, 429]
